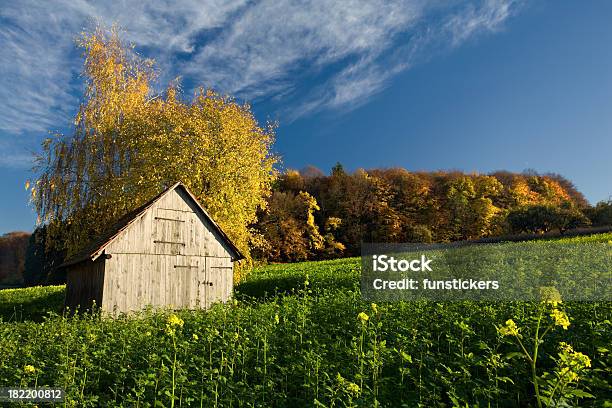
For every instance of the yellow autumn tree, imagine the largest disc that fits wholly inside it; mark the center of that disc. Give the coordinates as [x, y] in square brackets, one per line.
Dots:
[130, 143]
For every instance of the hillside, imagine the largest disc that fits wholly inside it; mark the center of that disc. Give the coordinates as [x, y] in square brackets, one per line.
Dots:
[300, 335]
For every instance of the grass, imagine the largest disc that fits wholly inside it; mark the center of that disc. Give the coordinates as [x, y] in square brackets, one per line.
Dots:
[607, 237]
[31, 303]
[301, 335]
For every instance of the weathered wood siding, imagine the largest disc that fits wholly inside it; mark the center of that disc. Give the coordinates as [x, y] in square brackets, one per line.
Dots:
[169, 256]
[84, 285]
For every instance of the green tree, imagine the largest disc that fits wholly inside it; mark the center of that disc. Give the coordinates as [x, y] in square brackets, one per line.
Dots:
[338, 169]
[544, 218]
[568, 216]
[41, 261]
[601, 214]
[468, 205]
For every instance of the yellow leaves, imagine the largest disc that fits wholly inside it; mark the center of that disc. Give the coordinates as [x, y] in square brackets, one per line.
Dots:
[533, 190]
[558, 192]
[130, 143]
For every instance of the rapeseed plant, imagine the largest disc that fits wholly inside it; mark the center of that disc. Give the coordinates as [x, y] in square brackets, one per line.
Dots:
[396, 354]
[363, 317]
[570, 363]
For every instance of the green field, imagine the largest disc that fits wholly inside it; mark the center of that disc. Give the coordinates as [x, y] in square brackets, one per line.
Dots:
[293, 337]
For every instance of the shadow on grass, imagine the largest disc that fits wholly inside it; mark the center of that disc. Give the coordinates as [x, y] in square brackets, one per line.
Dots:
[30, 304]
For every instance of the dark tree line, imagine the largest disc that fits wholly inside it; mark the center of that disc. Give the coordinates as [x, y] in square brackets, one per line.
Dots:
[25, 259]
[12, 257]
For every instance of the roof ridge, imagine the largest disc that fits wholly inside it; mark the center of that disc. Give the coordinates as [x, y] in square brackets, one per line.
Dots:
[96, 248]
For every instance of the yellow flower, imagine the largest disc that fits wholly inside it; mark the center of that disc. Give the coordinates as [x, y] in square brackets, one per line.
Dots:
[375, 308]
[172, 323]
[29, 369]
[352, 388]
[174, 320]
[572, 376]
[363, 317]
[195, 336]
[560, 318]
[510, 329]
[583, 359]
[571, 362]
[276, 319]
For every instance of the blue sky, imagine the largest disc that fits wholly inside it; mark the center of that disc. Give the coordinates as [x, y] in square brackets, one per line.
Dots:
[469, 85]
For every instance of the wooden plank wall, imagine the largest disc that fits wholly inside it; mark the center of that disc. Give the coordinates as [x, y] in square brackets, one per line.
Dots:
[84, 283]
[176, 281]
[168, 257]
[162, 223]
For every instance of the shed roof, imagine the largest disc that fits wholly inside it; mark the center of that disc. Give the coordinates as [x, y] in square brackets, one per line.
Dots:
[96, 248]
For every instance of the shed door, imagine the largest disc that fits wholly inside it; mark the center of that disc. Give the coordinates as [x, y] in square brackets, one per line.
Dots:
[219, 275]
[184, 282]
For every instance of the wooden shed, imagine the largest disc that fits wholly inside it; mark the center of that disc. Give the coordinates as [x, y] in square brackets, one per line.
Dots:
[167, 253]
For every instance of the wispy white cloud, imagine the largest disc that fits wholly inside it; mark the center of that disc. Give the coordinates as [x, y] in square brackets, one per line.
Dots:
[39, 63]
[16, 160]
[489, 16]
[272, 40]
[356, 83]
[15, 155]
[255, 50]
